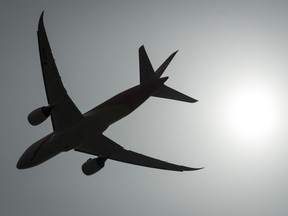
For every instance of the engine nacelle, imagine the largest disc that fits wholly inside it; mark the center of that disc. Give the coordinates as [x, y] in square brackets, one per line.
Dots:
[91, 166]
[39, 115]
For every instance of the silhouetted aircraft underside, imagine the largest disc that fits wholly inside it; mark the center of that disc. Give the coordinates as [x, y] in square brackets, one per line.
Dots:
[84, 132]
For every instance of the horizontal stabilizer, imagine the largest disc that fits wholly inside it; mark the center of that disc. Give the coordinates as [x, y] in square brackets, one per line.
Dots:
[169, 93]
[165, 64]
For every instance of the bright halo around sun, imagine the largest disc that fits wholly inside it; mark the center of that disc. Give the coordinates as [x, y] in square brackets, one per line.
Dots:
[253, 112]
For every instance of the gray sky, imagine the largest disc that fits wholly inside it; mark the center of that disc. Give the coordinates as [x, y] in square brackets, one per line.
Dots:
[232, 57]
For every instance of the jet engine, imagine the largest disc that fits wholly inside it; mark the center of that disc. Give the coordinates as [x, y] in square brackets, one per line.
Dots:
[39, 115]
[91, 166]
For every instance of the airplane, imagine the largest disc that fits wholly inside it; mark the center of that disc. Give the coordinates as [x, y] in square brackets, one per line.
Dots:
[73, 130]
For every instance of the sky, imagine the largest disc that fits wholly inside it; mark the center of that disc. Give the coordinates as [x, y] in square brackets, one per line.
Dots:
[232, 58]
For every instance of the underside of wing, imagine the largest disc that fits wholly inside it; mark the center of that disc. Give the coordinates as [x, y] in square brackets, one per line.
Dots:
[100, 146]
[64, 112]
[104, 147]
[131, 157]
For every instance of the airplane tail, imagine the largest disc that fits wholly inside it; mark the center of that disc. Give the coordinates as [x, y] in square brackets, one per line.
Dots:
[147, 74]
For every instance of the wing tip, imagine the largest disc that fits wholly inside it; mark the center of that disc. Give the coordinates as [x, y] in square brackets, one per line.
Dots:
[191, 169]
[41, 23]
[173, 54]
[141, 47]
[192, 100]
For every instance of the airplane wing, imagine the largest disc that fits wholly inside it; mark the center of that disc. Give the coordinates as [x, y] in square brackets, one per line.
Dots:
[135, 158]
[64, 112]
[103, 146]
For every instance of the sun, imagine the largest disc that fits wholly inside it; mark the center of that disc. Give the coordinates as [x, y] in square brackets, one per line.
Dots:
[252, 112]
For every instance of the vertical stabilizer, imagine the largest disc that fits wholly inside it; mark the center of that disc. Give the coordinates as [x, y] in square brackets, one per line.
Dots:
[147, 73]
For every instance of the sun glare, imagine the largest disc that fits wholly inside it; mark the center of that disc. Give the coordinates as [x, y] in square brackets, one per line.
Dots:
[252, 112]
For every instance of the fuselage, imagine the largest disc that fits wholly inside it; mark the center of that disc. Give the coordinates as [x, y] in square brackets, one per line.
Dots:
[95, 122]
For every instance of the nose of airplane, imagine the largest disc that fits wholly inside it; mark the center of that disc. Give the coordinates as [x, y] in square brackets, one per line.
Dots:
[24, 161]
[28, 158]
[35, 154]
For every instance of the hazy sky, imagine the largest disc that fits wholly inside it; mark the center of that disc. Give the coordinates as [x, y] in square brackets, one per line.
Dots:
[233, 58]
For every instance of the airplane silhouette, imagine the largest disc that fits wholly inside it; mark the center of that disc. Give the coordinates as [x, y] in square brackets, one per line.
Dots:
[84, 132]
